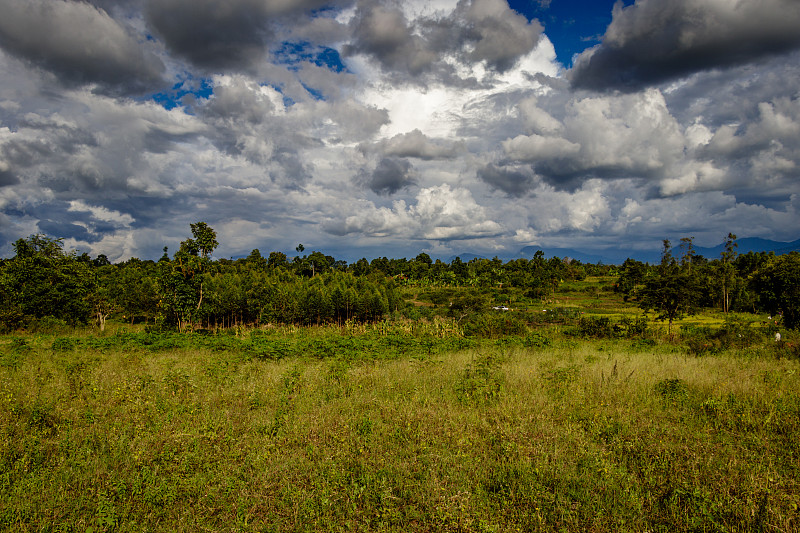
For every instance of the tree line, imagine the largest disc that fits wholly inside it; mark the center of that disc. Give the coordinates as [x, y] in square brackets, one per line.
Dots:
[191, 290]
[684, 282]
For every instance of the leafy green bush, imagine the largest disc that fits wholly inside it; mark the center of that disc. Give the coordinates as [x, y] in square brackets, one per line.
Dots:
[493, 325]
[18, 349]
[48, 324]
[672, 390]
[272, 350]
[480, 383]
[632, 327]
[11, 319]
[734, 333]
[789, 350]
[64, 344]
[536, 340]
[595, 327]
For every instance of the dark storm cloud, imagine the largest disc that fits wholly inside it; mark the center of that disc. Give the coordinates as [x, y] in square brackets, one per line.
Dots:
[491, 32]
[391, 175]
[63, 230]
[117, 5]
[51, 142]
[8, 178]
[737, 91]
[290, 171]
[79, 43]
[220, 34]
[512, 181]
[59, 219]
[94, 157]
[655, 41]
[382, 31]
[415, 144]
[476, 31]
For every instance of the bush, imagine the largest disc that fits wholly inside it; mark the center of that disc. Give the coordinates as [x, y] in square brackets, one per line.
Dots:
[11, 319]
[789, 350]
[49, 324]
[734, 333]
[595, 327]
[603, 328]
[494, 325]
[557, 315]
[63, 344]
[536, 340]
[673, 390]
[633, 327]
[481, 381]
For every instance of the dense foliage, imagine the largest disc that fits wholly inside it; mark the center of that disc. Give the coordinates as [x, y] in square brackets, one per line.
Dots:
[190, 290]
[748, 282]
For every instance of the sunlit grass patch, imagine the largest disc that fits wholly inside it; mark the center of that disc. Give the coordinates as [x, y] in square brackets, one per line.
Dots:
[397, 427]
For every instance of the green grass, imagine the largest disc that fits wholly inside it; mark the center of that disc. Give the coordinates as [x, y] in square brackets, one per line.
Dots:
[391, 428]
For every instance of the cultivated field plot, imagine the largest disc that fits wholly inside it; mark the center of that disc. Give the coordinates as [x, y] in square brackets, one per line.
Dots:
[381, 429]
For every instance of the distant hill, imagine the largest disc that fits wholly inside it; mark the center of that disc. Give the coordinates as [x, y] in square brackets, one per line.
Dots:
[752, 244]
[529, 251]
[617, 256]
[467, 257]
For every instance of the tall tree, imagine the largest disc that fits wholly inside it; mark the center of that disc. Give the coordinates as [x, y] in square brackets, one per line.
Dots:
[671, 290]
[42, 280]
[778, 287]
[727, 272]
[182, 279]
[687, 252]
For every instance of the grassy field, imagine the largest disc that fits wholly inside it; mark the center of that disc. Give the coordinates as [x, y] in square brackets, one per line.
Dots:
[400, 427]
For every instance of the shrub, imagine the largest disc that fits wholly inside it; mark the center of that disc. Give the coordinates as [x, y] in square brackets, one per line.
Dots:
[536, 340]
[11, 319]
[63, 344]
[595, 327]
[633, 327]
[789, 350]
[673, 390]
[49, 324]
[493, 325]
[734, 333]
[556, 315]
[480, 383]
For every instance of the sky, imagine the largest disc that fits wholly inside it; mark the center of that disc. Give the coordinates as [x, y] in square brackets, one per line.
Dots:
[368, 128]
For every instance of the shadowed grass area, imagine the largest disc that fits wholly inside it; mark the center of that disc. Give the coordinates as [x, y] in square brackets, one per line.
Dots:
[363, 431]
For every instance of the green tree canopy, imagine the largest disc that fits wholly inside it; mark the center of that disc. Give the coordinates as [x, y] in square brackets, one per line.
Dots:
[778, 287]
[42, 280]
[671, 290]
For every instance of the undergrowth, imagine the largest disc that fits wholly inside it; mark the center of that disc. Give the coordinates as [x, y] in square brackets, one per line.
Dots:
[379, 429]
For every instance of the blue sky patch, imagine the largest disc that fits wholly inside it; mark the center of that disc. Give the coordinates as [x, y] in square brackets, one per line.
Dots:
[292, 54]
[571, 26]
[199, 88]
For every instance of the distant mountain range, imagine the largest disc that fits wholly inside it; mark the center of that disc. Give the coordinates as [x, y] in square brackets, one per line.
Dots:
[616, 256]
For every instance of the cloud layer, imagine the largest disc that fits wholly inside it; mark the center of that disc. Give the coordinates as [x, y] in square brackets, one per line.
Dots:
[654, 41]
[388, 128]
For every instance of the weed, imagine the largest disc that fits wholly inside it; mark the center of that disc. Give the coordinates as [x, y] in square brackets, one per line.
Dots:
[18, 349]
[481, 382]
[397, 427]
[337, 384]
[64, 344]
[558, 380]
[290, 388]
[536, 340]
[673, 390]
[178, 382]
